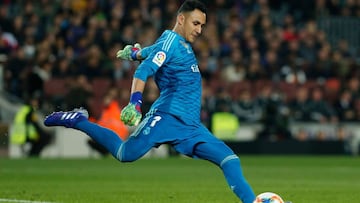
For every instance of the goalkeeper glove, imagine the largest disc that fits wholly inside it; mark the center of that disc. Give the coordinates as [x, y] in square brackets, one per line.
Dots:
[131, 114]
[129, 52]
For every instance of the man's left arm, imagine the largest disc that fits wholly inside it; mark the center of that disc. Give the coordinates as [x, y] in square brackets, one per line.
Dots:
[134, 53]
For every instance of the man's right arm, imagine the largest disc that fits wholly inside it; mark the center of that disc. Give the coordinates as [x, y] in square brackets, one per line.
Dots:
[131, 114]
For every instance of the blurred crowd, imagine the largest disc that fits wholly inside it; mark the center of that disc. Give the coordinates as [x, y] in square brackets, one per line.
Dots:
[264, 61]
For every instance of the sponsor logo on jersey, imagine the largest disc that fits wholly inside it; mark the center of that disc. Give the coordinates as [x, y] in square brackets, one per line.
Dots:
[195, 68]
[159, 58]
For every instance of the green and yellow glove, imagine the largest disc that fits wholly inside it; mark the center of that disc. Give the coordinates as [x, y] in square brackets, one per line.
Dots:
[129, 52]
[131, 114]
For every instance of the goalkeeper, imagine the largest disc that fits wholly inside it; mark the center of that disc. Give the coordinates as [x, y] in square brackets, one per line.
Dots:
[174, 117]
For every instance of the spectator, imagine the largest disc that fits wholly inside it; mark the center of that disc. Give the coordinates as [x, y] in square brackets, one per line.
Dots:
[63, 68]
[255, 70]
[94, 64]
[110, 118]
[247, 109]
[272, 66]
[27, 128]
[275, 120]
[320, 109]
[14, 73]
[340, 65]
[275, 115]
[353, 84]
[222, 100]
[300, 105]
[344, 106]
[79, 93]
[322, 67]
[235, 71]
[8, 42]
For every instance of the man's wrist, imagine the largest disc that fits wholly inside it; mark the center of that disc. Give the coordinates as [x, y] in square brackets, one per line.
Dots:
[136, 98]
[134, 54]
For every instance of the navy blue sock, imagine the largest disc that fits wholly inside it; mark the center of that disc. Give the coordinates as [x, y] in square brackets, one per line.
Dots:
[107, 138]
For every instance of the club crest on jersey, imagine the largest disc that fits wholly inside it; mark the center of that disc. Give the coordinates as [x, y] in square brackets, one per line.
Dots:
[159, 58]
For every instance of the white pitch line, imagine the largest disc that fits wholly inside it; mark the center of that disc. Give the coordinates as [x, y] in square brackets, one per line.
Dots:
[21, 201]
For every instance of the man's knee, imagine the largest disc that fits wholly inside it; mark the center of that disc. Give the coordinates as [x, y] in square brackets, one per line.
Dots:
[128, 154]
[125, 157]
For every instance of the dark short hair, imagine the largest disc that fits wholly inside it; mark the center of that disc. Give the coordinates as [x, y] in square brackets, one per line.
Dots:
[190, 5]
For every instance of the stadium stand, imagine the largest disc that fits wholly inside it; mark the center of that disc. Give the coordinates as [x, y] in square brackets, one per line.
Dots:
[279, 44]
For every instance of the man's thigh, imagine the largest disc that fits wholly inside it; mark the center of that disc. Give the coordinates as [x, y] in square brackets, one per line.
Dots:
[154, 130]
[200, 136]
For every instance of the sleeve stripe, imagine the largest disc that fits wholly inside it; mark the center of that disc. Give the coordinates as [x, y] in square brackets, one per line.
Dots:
[168, 41]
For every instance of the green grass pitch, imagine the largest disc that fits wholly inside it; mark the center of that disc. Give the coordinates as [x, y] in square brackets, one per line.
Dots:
[301, 179]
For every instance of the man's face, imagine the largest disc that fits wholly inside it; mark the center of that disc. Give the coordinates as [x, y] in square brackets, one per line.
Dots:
[194, 22]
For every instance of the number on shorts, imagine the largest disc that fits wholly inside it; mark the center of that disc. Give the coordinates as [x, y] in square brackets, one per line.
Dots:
[155, 120]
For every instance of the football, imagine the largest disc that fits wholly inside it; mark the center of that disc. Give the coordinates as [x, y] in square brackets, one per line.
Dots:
[268, 197]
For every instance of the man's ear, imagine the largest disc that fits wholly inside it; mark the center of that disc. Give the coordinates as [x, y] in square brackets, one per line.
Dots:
[181, 19]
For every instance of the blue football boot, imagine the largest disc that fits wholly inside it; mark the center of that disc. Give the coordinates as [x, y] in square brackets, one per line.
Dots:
[67, 119]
